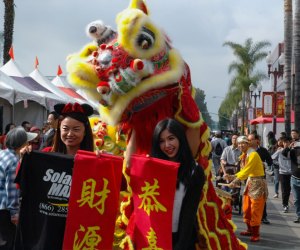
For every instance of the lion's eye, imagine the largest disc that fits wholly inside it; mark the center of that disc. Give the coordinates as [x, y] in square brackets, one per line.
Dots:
[145, 39]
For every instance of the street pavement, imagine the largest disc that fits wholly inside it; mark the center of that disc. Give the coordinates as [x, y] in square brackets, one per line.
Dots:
[281, 233]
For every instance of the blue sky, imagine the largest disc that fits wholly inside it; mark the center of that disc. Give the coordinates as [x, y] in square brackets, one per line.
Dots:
[54, 29]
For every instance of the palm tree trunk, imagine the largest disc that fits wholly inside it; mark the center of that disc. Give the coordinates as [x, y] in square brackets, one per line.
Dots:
[288, 47]
[9, 17]
[297, 63]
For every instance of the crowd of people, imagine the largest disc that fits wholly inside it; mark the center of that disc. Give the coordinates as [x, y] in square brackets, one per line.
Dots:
[244, 161]
[240, 163]
[68, 130]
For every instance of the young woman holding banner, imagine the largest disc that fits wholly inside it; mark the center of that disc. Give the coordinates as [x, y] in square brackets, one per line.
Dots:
[74, 130]
[170, 143]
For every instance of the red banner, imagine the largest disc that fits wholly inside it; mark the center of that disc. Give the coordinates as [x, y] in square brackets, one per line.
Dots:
[153, 183]
[94, 201]
[280, 104]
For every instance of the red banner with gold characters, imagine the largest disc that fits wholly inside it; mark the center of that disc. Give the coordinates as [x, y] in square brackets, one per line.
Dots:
[153, 183]
[270, 100]
[93, 202]
[280, 104]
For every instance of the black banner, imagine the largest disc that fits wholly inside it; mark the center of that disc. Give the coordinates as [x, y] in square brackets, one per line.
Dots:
[45, 182]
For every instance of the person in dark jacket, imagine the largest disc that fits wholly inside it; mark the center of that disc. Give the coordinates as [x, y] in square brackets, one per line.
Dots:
[294, 151]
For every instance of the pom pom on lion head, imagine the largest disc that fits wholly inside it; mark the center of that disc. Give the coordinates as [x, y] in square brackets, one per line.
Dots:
[138, 61]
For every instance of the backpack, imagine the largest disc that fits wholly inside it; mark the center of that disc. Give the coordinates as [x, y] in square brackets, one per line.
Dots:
[218, 149]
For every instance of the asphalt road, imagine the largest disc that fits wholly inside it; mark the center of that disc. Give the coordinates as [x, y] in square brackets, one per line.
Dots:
[281, 233]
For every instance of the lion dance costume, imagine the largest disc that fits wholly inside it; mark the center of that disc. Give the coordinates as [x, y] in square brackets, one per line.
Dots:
[139, 79]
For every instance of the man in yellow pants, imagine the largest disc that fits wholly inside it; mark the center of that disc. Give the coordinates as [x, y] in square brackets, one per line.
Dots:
[256, 190]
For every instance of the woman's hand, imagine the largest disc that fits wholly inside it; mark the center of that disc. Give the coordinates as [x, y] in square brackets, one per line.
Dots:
[24, 150]
[14, 219]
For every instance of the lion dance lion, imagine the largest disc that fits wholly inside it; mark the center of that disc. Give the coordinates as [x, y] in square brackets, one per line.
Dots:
[139, 79]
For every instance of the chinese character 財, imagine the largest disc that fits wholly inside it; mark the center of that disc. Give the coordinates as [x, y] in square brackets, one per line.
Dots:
[91, 197]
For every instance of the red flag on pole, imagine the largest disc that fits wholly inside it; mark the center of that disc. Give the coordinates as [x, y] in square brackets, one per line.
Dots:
[11, 53]
[36, 63]
[59, 71]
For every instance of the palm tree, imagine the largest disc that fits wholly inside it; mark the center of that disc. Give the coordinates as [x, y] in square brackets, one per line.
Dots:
[297, 64]
[247, 55]
[9, 17]
[288, 47]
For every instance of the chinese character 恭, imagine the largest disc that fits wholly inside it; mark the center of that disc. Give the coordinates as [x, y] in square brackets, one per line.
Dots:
[90, 239]
[149, 201]
[93, 198]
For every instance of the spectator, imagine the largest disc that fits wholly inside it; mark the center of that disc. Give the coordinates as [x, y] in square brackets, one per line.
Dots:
[271, 143]
[294, 151]
[275, 166]
[284, 161]
[295, 135]
[8, 127]
[26, 125]
[35, 143]
[230, 165]
[47, 139]
[283, 134]
[227, 139]
[218, 145]
[16, 139]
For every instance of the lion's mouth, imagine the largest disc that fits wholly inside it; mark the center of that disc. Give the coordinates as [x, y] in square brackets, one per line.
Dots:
[151, 97]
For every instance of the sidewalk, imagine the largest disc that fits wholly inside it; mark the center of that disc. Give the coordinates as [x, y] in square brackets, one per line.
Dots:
[282, 233]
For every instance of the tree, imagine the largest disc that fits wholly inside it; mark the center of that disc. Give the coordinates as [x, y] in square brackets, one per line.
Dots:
[288, 47]
[200, 101]
[9, 17]
[297, 64]
[247, 57]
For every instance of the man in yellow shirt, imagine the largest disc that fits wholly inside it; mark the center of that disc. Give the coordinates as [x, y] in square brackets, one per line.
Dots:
[256, 191]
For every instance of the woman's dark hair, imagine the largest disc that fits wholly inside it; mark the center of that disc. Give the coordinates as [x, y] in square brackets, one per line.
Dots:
[7, 128]
[184, 155]
[79, 115]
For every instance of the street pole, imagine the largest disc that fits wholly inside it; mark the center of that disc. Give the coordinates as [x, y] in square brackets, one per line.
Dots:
[276, 73]
[275, 103]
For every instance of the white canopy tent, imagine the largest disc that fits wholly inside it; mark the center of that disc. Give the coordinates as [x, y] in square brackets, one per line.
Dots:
[42, 80]
[19, 103]
[77, 95]
[13, 70]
